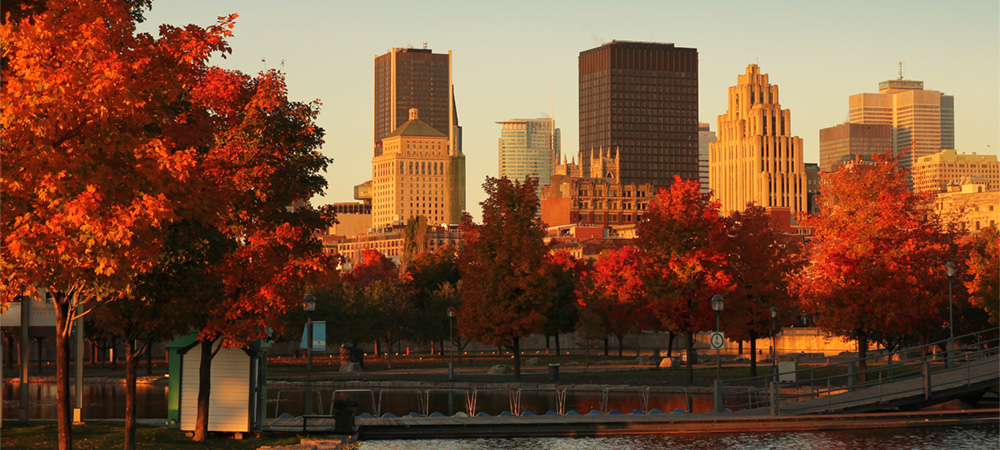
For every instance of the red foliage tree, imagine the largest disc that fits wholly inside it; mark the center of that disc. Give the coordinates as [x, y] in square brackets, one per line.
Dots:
[760, 263]
[563, 315]
[91, 175]
[983, 279]
[876, 257]
[683, 235]
[614, 291]
[505, 293]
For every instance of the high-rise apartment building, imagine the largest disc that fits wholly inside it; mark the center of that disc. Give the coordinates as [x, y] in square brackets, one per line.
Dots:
[922, 121]
[937, 172]
[528, 147]
[415, 176]
[408, 78]
[641, 98]
[849, 141]
[756, 157]
[705, 137]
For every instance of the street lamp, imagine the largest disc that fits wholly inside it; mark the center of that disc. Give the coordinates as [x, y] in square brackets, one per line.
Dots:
[774, 348]
[451, 340]
[717, 304]
[309, 305]
[950, 269]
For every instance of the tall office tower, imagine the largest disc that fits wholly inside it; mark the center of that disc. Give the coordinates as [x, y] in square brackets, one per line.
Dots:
[812, 188]
[415, 176]
[408, 78]
[921, 120]
[528, 147]
[849, 141]
[757, 158]
[641, 98]
[705, 136]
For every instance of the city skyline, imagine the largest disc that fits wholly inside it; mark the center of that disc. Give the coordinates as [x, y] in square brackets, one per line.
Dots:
[326, 51]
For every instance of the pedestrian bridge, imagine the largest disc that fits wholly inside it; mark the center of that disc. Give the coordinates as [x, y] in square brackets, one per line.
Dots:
[967, 372]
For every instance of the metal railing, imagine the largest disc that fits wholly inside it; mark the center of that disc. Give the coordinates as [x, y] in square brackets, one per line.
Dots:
[830, 380]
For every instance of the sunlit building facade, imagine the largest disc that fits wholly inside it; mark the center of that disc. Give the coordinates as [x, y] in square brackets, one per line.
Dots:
[756, 158]
[528, 147]
[849, 141]
[937, 172]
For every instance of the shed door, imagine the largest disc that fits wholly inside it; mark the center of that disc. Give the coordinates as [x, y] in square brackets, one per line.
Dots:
[228, 410]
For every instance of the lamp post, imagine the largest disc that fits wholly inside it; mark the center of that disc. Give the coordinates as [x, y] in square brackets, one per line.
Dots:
[950, 269]
[717, 305]
[309, 305]
[451, 340]
[774, 348]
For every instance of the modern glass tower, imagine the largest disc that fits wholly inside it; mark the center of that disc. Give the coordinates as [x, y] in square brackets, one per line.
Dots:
[528, 147]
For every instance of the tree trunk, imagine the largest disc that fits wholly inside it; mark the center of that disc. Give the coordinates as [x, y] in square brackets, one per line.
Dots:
[621, 345]
[204, 391]
[862, 361]
[753, 354]
[517, 359]
[149, 358]
[689, 337]
[670, 343]
[131, 365]
[740, 348]
[388, 353]
[377, 351]
[605, 346]
[547, 337]
[558, 350]
[63, 410]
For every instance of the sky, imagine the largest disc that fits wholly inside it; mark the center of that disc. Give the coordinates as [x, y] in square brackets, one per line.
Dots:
[518, 59]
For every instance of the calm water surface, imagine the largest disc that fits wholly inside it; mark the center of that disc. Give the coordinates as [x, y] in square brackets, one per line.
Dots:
[951, 438]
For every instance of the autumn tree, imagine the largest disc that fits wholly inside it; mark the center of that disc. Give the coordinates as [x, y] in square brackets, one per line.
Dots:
[262, 164]
[614, 291]
[682, 236]
[372, 269]
[504, 294]
[983, 279]
[563, 315]
[876, 257]
[433, 278]
[91, 175]
[760, 262]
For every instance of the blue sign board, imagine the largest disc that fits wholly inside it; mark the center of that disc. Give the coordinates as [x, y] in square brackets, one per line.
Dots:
[319, 336]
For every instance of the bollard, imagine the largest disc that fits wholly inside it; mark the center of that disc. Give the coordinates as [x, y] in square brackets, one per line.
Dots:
[718, 395]
[775, 405]
[927, 380]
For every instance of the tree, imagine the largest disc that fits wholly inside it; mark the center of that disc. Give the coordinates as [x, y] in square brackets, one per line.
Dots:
[876, 257]
[504, 294]
[428, 274]
[760, 262]
[263, 140]
[616, 293]
[563, 315]
[983, 282]
[91, 172]
[683, 237]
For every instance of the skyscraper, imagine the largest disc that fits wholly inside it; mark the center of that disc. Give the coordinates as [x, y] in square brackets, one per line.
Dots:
[705, 137]
[848, 141]
[641, 99]
[415, 176]
[528, 147]
[756, 157]
[408, 78]
[921, 120]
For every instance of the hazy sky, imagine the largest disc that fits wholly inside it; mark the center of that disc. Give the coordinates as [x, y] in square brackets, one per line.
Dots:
[512, 58]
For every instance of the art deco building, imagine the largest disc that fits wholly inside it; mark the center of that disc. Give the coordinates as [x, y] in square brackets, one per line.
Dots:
[935, 173]
[408, 78]
[921, 120]
[641, 98]
[848, 141]
[756, 157]
[416, 176]
[705, 136]
[528, 147]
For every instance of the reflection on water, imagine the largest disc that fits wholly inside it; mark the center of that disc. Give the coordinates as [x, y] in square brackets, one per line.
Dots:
[491, 401]
[965, 438]
[100, 401]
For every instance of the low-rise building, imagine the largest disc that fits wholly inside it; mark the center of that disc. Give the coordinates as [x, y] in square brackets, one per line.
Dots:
[973, 206]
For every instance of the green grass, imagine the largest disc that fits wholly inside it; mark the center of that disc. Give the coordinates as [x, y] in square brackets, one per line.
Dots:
[100, 436]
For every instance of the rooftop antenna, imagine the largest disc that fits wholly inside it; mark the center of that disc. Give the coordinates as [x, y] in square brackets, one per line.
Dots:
[552, 128]
[425, 45]
[900, 70]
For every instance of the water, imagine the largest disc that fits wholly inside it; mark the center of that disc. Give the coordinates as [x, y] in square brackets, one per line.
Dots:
[100, 401]
[951, 438]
